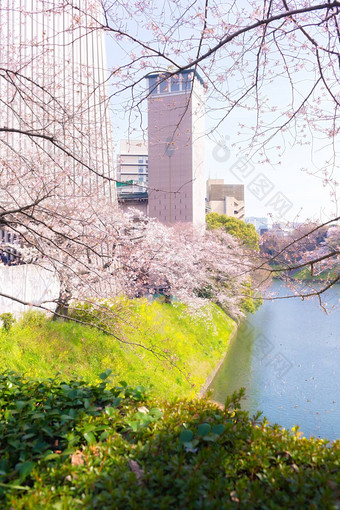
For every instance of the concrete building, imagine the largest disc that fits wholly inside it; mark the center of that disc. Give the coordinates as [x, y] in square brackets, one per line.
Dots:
[176, 148]
[261, 224]
[225, 198]
[132, 165]
[133, 175]
[61, 92]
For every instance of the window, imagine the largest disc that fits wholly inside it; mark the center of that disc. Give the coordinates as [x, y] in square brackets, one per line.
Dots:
[175, 83]
[140, 160]
[164, 86]
[153, 85]
[186, 81]
[140, 169]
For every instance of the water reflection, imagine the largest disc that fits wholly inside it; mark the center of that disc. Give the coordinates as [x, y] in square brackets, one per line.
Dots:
[287, 357]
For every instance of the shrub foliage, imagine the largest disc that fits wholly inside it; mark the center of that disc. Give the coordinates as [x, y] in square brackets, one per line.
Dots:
[70, 445]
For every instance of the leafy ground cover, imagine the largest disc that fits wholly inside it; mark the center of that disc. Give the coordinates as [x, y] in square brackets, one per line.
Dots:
[38, 347]
[70, 445]
[305, 274]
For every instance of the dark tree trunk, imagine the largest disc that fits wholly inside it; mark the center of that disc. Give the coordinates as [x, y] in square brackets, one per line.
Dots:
[63, 304]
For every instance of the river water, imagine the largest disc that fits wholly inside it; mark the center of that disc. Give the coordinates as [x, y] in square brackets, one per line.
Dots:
[287, 356]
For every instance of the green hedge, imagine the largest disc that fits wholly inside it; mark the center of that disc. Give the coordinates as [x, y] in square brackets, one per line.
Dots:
[66, 445]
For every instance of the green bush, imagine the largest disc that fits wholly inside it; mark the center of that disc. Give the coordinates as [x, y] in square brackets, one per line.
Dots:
[251, 302]
[8, 320]
[32, 319]
[102, 314]
[66, 445]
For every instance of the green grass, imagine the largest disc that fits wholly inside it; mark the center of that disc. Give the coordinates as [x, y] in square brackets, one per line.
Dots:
[39, 347]
[305, 274]
[68, 444]
[74, 446]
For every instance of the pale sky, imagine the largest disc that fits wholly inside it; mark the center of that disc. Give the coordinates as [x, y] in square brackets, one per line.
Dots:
[280, 188]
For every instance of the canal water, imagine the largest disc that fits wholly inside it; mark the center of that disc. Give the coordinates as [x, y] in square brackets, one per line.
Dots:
[287, 357]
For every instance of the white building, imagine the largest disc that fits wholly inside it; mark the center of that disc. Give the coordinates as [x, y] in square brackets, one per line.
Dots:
[133, 175]
[53, 86]
[133, 165]
[261, 224]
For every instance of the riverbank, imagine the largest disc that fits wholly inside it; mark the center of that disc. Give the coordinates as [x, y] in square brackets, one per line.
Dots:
[305, 274]
[181, 349]
[286, 356]
[68, 444]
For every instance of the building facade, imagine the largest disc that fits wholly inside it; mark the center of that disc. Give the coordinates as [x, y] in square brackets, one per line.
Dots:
[176, 111]
[133, 175]
[53, 86]
[261, 224]
[225, 198]
[133, 165]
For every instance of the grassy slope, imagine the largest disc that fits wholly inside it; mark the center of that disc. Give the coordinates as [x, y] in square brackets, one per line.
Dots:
[38, 347]
[69, 445]
[304, 274]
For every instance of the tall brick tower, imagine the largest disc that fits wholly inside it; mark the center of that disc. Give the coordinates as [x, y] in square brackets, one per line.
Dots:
[176, 148]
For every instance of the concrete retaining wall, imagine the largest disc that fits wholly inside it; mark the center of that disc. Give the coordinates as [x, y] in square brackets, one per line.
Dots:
[28, 283]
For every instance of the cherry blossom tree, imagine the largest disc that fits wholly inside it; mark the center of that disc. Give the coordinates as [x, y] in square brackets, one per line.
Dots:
[57, 184]
[274, 64]
[313, 250]
[192, 266]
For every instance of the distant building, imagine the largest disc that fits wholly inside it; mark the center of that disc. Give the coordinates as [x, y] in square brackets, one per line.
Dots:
[281, 229]
[261, 224]
[133, 175]
[133, 165]
[225, 198]
[176, 148]
[9, 246]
